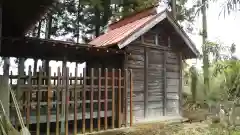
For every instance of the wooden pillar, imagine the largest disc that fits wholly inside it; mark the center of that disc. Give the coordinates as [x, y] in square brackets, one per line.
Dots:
[64, 69]
[165, 83]
[180, 83]
[46, 66]
[174, 8]
[35, 66]
[145, 82]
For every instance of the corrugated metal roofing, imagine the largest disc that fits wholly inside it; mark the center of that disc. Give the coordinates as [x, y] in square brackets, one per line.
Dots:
[116, 35]
[125, 31]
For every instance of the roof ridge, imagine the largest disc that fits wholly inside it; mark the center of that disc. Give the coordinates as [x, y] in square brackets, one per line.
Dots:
[133, 17]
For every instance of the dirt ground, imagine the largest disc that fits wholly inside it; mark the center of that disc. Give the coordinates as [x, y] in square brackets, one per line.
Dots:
[173, 129]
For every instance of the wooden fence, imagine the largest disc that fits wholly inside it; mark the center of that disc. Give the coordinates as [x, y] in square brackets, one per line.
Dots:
[94, 99]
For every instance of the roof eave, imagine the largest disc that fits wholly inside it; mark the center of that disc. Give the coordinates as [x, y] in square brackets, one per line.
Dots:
[184, 36]
[161, 16]
[146, 27]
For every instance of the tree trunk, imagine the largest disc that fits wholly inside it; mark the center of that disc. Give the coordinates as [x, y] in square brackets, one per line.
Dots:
[174, 9]
[78, 20]
[38, 36]
[194, 80]
[45, 63]
[97, 23]
[107, 12]
[204, 49]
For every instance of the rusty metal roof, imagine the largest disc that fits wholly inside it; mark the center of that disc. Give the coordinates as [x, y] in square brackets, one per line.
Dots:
[125, 31]
[116, 35]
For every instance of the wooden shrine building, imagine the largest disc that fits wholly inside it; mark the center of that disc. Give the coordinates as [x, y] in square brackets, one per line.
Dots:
[156, 45]
[132, 74]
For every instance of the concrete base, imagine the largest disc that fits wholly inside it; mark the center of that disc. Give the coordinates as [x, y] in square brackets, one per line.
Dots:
[161, 119]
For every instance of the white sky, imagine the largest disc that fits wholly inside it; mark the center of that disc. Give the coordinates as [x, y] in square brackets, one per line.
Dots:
[220, 28]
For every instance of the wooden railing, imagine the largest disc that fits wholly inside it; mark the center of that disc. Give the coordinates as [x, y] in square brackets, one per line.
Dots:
[86, 99]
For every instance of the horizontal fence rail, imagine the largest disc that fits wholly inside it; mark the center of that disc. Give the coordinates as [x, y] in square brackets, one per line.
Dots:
[91, 100]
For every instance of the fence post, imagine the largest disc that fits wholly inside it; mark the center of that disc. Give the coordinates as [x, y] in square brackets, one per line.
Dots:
[99, 97]
[64, 66]
[119, 99]
[4, 88]
[106, 100]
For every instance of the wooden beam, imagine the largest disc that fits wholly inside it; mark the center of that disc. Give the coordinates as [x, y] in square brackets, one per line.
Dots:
[145, 82]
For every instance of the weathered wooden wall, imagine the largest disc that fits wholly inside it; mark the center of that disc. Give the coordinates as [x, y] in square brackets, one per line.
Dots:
[156, 76]
[135, 61]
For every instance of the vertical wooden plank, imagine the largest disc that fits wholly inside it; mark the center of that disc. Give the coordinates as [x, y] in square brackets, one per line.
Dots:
[38, 100]
[29, 96]
[99, 98]
[67, 101]
[145, 82]
[75, 102]
[64, 81]
[49, 93]
[125, 96]
[57, 100]
[84, 100]
[131, 94]
[91, 100]
[106, 100]
[119, 99]
[165, 83]
[180, 83]
[113, 98]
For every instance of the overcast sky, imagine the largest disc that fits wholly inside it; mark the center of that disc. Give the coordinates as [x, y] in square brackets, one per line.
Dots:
[225, 29]
[220, 28]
